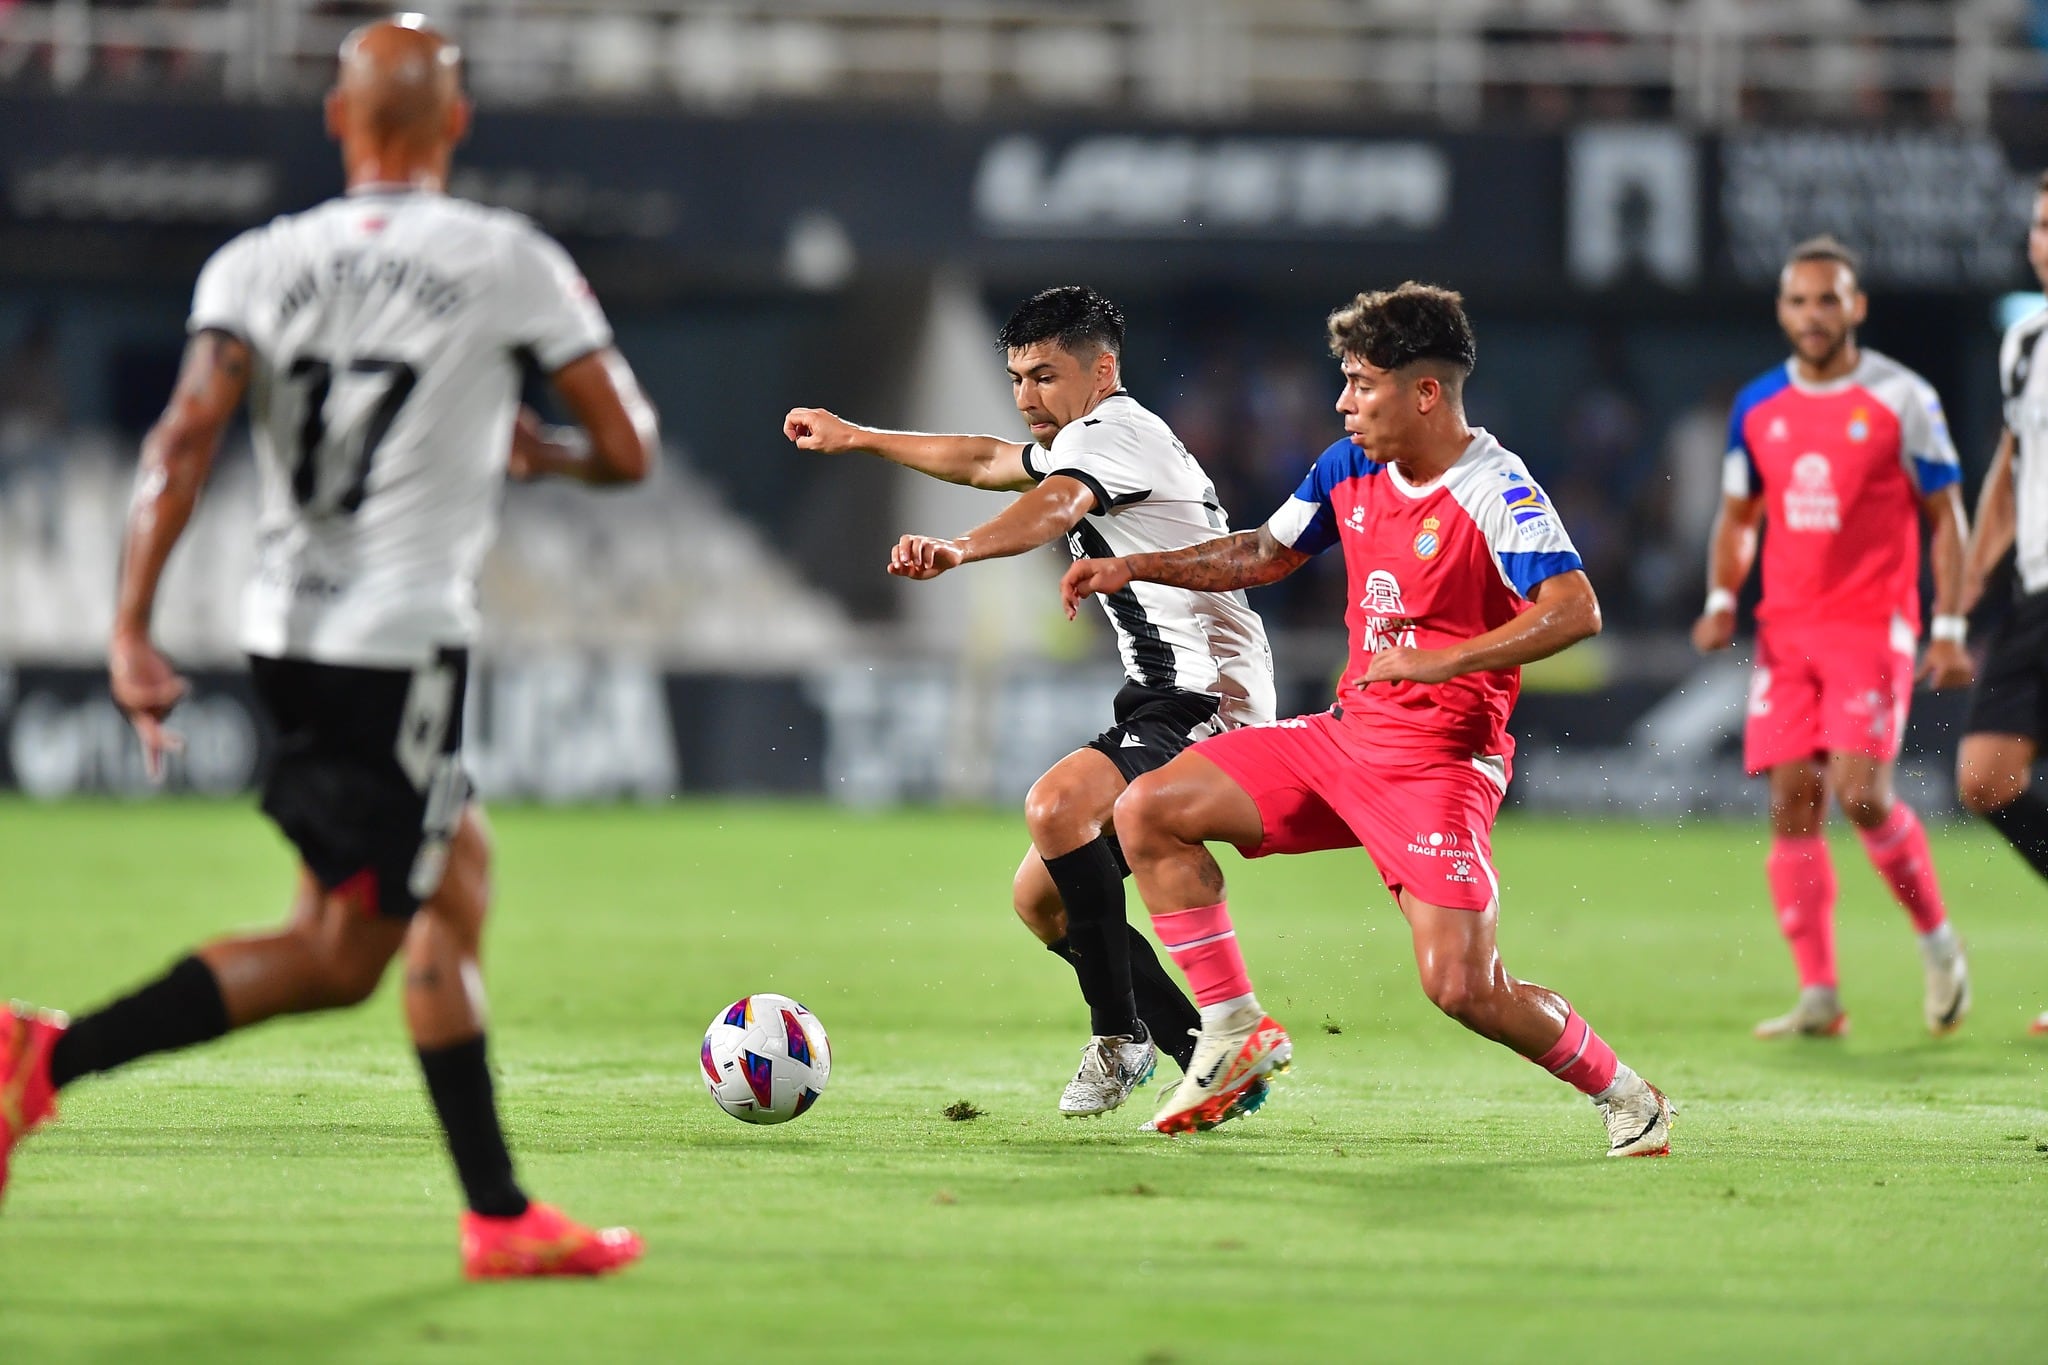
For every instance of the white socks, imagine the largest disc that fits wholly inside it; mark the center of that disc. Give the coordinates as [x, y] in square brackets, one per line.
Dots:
[1215, 1016]
[1938, 946]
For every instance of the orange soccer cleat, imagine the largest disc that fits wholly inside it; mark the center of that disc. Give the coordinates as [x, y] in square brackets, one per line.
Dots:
[542, 1241]
[27, 1099]
[1230, 1075]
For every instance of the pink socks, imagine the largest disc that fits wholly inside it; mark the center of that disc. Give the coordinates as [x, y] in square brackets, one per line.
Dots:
[1580, 1059]
[1204, 947]
[1898, 850]
[1803, 888]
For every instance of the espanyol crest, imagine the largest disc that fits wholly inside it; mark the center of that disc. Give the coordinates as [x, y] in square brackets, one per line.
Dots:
[1427, 542]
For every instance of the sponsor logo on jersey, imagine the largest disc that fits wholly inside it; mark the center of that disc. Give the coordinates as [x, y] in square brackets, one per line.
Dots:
[1859, 425]
[1385, 624]
[1525, 501]
[1427, 543]
[1811, 503]
[1356, 521]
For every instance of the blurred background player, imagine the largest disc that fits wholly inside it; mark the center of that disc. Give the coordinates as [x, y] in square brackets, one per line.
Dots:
[1846, 451]
[1112, 478]
[379, 335]
[1459, 574]
[2008, 707]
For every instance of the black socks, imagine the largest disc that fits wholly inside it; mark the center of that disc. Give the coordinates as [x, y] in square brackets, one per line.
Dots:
[2024, 823]
[1092, 888]
[1163, 1007]
[180, 1008]
[459, 1082]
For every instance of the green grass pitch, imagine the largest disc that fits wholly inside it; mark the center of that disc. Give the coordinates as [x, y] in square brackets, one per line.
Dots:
[1410, 1194]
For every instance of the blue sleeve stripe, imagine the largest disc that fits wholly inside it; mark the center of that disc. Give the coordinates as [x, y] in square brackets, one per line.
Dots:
[1752, 396]
[1525, 569]
[1935, 475]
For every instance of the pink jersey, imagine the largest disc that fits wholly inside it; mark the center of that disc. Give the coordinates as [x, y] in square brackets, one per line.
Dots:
[1842, 468]
[1430, 567]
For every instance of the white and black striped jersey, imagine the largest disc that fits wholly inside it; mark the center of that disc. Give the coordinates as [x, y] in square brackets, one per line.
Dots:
[1151, 496]
[387, 328]
[2023, 379]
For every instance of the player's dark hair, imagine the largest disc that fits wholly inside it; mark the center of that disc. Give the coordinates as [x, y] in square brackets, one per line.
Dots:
[2041, 185]
[1075, 316]
[1826, 247]
[1394, 328]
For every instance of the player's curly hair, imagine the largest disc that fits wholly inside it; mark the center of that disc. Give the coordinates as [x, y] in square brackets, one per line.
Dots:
[1825, 247]
[1079, 319]
[1393, 328]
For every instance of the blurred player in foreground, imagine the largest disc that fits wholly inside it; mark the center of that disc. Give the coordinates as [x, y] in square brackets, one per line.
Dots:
[1460, 573]
[1845, 451]
[377, 336]
[1109, 476]
[2009, 708]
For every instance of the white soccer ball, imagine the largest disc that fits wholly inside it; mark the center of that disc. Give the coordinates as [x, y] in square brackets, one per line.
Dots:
[766, 1059]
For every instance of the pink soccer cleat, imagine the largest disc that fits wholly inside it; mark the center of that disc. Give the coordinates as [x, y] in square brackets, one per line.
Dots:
[542, 1241]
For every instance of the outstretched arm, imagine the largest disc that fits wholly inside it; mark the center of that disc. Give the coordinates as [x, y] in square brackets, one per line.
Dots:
[177, 455]
[977, 461]
[1043, 515]
[1947, 663]
[1993, 533]
[618, 440]
[1248, 559]
[1731, 551]
[1563, 611]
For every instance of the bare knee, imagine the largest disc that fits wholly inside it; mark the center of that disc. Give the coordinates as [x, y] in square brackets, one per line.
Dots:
[1145, 817]
[344, 970]
[1984, 788]
[1460, 990]
[1864, 804]
[1796, 803]
[1060, 815]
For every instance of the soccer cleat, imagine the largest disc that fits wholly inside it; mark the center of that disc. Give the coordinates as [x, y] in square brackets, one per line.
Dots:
[2040, 1024]
[1229, 1075]
[1948, 994]
[1818, 1014]
[542, 1241]
[27, 1099]
[1638, 1119]
[1111, 1068]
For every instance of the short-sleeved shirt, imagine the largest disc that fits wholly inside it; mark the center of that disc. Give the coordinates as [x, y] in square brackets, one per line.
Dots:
[388, 330]
[2023, 381]
[1842, 468]
[1429, 567]
[1151, 496]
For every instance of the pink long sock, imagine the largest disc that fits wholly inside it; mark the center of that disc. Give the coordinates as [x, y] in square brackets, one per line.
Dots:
[1204, 947]
[1898, 850]
[1580, 1059]
[1803, 888]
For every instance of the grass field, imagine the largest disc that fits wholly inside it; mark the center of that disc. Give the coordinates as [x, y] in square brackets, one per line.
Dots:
[1410, 1194]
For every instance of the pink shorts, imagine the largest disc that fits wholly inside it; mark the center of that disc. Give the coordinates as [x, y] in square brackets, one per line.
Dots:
[1426, 822]
[1828, 689]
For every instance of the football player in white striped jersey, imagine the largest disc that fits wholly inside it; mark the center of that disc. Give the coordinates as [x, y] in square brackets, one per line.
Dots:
[1111, 478]
[378, 338]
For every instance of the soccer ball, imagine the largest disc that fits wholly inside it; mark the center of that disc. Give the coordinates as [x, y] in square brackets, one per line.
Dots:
[766, 1059]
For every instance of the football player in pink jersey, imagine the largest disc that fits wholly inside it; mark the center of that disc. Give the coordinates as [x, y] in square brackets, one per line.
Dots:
[1459, 574]
[1845, 452]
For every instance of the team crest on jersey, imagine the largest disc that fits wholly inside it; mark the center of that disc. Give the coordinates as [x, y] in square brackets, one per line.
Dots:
[1428, 542]
[1859, 424]
[1777, 430]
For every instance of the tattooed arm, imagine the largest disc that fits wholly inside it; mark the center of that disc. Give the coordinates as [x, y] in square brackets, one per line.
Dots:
[1248, 559]
[176, 457]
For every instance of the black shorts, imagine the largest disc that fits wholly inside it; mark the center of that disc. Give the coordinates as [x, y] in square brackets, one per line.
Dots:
[367, 779]
[2011, 695]
[1153, 724]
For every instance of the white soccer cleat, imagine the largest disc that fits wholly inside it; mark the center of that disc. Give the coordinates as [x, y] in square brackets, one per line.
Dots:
[2040, 1024]
[1229, 1075]
[1638, 1118]
[1948, 993]
[1111, 1068]
[1818, 1014]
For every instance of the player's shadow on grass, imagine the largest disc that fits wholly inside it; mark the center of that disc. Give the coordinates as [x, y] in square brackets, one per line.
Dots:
[342, 1330]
